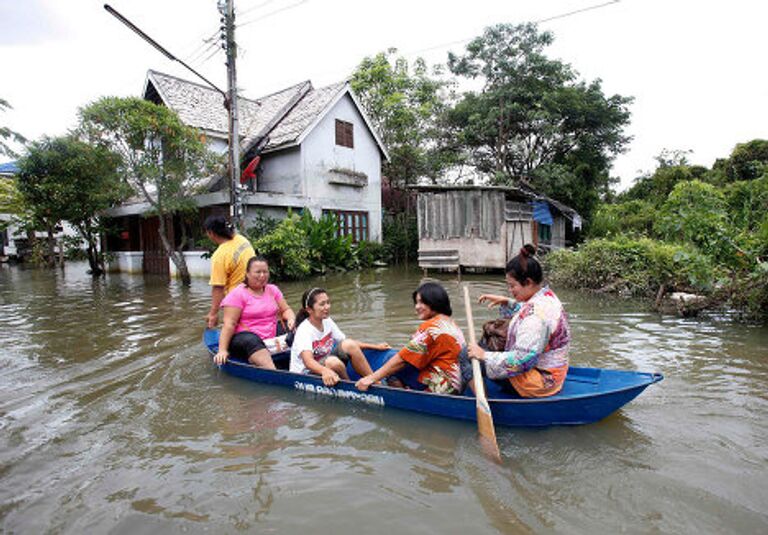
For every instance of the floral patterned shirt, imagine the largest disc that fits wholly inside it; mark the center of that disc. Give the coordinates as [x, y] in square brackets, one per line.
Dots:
[539, 337]
[434, 349]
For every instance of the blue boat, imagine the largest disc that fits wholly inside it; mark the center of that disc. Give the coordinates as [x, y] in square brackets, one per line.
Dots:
[589, 394]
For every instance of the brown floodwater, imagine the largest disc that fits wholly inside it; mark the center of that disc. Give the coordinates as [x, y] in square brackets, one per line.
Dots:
[113, 419]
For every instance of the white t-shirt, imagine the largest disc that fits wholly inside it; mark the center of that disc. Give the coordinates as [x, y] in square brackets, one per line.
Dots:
[320, 343]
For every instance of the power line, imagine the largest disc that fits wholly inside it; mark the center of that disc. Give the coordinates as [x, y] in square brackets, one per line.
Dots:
[275, 12]
[205, 45]
[138, 31]
[254, 8]
[554, 17]
[210, 56]
[563, 15]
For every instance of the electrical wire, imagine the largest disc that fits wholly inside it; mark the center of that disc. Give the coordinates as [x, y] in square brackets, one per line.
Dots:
[548, 19]
[254, 8]
[204, 47]
[275, 12]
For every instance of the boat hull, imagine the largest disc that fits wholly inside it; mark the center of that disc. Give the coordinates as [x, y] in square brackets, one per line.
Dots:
[588, 395]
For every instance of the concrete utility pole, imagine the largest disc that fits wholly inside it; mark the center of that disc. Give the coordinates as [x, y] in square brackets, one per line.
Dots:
[227, 9]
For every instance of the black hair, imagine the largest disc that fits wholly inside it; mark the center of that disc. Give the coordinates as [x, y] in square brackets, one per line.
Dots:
[251, 260]
[219, 226]
[308, 300]
[435, 297]
[525, 266]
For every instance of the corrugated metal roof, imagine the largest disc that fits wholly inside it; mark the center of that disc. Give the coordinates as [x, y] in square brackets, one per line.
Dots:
[526, 192]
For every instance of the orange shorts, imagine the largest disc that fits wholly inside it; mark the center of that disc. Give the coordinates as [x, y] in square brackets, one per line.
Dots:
[539, 383]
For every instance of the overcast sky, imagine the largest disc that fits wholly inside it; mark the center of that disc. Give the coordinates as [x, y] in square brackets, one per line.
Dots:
[697, 69]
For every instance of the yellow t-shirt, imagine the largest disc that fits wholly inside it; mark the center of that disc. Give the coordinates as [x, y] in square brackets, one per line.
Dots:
[229, 261]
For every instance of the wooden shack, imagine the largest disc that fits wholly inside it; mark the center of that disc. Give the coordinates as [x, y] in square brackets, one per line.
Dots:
[485, 226]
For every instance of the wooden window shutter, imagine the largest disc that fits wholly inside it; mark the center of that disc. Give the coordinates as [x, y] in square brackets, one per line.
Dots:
[344, 134]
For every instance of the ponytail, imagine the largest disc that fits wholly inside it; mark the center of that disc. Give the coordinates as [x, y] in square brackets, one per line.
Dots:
[307, 301]
[525, 266]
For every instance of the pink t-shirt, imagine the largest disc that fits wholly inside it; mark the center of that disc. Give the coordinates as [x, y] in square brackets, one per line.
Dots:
[259, 312]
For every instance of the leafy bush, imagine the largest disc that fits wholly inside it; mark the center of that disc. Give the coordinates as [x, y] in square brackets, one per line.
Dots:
[327, 249]
[748, 160]
[286, 250]
[695, 212]
[749, 293]
[368, 253]
[73, 248]
[401, 238]
[262, 224]
[632, 266]
[631, 217]
[747, 203]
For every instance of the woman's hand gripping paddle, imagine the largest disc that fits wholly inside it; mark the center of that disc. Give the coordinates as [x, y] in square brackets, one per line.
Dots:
[484, 416]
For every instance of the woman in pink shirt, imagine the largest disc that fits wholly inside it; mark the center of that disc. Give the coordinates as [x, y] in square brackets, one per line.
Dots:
[250, 317]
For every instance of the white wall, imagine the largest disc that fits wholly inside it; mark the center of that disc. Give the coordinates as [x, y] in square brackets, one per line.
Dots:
[217, 144]
[126, 262]
[196, 264]
[320, 154]
[131, 262]
[281, 172]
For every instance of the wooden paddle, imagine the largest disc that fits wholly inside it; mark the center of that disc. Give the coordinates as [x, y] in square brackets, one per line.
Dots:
[484, 416]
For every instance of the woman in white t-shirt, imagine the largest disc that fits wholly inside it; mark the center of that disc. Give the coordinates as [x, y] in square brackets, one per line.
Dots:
[319, 347]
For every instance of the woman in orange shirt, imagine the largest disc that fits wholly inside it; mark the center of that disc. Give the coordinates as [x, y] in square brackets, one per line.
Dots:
[432, 353]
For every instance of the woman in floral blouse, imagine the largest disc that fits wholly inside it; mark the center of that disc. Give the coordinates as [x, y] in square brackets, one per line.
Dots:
[430, 361]
[535, 357]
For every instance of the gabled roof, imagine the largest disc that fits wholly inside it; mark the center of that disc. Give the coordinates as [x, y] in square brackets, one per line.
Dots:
[287, 116]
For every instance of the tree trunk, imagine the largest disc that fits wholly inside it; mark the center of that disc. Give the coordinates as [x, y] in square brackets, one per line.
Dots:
[61, 252]
[178, 259]
[51, 256]
[94, 259]
[97, 269]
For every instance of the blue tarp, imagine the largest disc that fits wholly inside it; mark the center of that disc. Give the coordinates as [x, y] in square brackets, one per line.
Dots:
[541, 213]
[9, 168]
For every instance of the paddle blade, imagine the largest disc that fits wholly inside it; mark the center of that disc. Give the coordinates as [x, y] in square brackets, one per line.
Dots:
[484, 417]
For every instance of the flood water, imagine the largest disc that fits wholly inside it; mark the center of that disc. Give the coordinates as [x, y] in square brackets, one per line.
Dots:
[113, 419]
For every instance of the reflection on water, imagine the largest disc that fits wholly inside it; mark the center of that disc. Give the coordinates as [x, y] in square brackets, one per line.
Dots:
[113, 419]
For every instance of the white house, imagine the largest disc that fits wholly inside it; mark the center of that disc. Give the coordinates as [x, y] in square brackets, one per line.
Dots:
[317, 150]
[15, 243]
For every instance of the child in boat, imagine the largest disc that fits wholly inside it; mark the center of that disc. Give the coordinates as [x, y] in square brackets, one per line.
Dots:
[319, 347]
[430, 361]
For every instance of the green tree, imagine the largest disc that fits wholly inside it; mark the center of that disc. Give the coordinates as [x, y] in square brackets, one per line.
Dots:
[672, 168]
[11, 201]
[631, 218]
[696, 212]
[64, 179]
[748, 161]
[162, 160]
[405, 102]
[534, 120]
[6, 134]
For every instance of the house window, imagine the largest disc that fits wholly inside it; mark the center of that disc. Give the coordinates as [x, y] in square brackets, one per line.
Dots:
[351, 223]
[344, 134]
